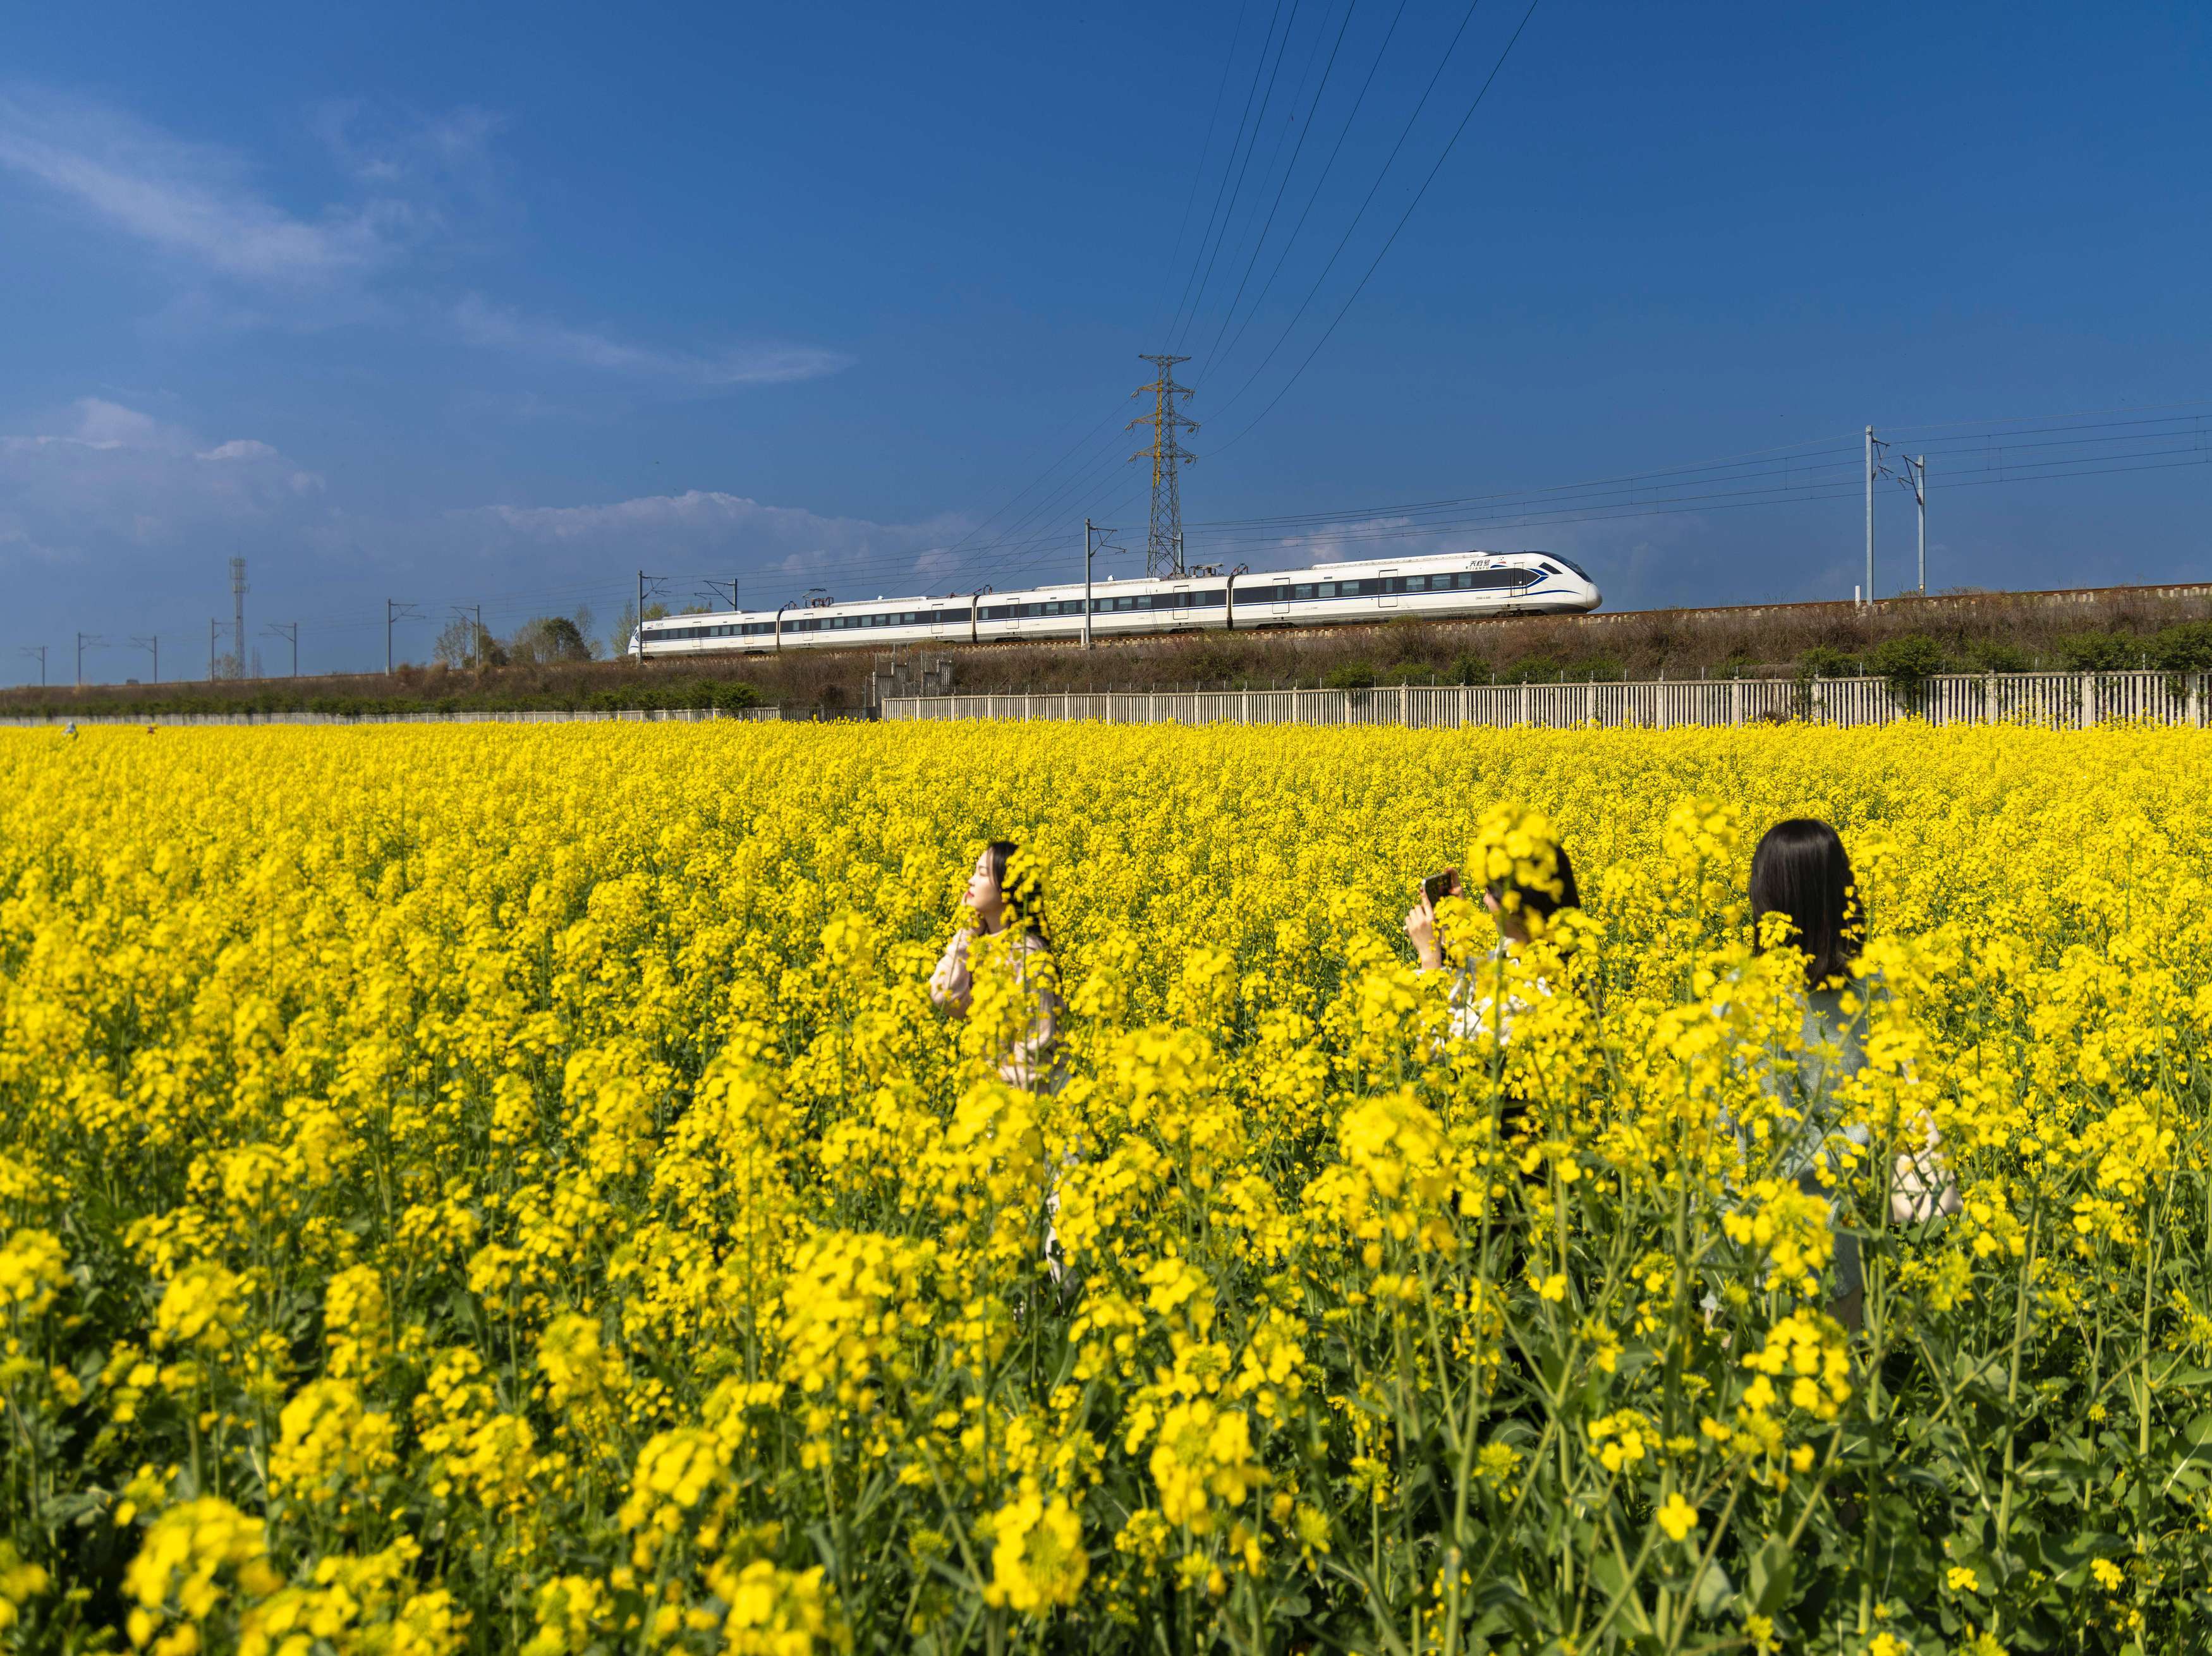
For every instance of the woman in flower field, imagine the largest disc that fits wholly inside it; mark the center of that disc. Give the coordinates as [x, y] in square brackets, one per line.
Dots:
[500, 1190]
[1007, 897]
[1523, 898]
[1803, 895]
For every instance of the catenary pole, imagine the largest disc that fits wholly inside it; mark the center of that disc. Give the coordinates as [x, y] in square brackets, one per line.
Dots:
[1869, 514]
[151, 641]
[1086, 583]
[287, 630]
[39, 650]
[1920, 499]
[83, 639]
[395, 609]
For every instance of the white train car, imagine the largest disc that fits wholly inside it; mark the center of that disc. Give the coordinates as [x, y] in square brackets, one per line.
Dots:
[1455, 586]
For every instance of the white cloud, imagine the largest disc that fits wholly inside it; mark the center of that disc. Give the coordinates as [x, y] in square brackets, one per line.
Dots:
[482, 324]
[192, 200]
[708, 530]
[114, 483]
[417, 190]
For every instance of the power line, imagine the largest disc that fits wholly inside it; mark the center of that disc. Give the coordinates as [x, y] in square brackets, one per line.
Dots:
[1298, 150]
[1214, 214]
[1449, 146]
[1343, 241]
[1205, 152]
[1320, 180]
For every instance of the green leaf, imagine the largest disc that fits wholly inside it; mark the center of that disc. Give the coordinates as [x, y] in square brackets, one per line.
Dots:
[1773, 1573]
[1714, 1591]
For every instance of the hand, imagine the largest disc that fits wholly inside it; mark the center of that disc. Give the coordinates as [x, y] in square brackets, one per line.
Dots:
[1421, 928]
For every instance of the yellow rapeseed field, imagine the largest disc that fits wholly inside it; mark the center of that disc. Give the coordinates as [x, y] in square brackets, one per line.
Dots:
[499, 1189]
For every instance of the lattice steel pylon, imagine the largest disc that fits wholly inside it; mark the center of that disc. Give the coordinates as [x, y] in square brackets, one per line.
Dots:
[1163, 540]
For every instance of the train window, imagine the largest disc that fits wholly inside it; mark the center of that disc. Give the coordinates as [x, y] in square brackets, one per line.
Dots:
[1549, 568]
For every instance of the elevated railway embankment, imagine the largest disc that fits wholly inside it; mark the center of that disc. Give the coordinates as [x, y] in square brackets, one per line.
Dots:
[1932, 608]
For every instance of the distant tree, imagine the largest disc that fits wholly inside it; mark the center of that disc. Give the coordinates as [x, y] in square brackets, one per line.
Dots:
[1908, 662]
[2099, 652]
[1350, 675]
[1823, 661]
[547, 639]
[464, 644]
[2184, 648]
[626, 623]
[1995, 656]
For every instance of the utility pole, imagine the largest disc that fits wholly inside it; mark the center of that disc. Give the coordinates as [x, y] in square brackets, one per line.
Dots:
[83, 639]
[1919, 486]
[1164, 536]
[645, 580]
[151, 641]
[472, 612]
[238, 613]
[39, 650]
[1870, 513]
[1086, 583]
[396, 609]
[288, 629]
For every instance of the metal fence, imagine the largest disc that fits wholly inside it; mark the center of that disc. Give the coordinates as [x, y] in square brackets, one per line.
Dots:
[535, 716]
[2055, 700]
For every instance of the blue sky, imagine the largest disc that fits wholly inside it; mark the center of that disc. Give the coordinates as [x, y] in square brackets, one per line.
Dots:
[496, 305]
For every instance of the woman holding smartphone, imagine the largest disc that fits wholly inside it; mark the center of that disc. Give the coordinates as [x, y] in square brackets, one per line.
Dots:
[1521, 909]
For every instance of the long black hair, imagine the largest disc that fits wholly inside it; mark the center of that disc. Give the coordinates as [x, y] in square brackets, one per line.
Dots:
[1535, 901]
[1019, 888]
[1801, 870]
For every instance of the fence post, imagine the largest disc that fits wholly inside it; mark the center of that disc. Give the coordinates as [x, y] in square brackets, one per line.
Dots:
[1735, 702]
[1402, 701]
[2089, 700]
[1244, 707]
[1150, 705]
[1660, 701]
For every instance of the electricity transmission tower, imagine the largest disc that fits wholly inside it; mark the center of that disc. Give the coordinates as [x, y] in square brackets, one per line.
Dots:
[238, 615]
[1164, 539]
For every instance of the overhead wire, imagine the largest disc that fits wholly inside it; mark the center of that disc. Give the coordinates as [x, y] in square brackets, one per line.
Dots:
[1214, 214]
[1366, 201]
[1205, 152]
[1449, 144]
[1321, 179]
[1251, 148]
[1290, 168]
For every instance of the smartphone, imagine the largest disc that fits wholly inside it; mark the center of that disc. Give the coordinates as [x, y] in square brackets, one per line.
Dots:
[1437, 887]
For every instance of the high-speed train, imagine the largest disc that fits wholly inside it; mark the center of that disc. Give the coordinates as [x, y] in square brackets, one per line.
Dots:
[1460, 584]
